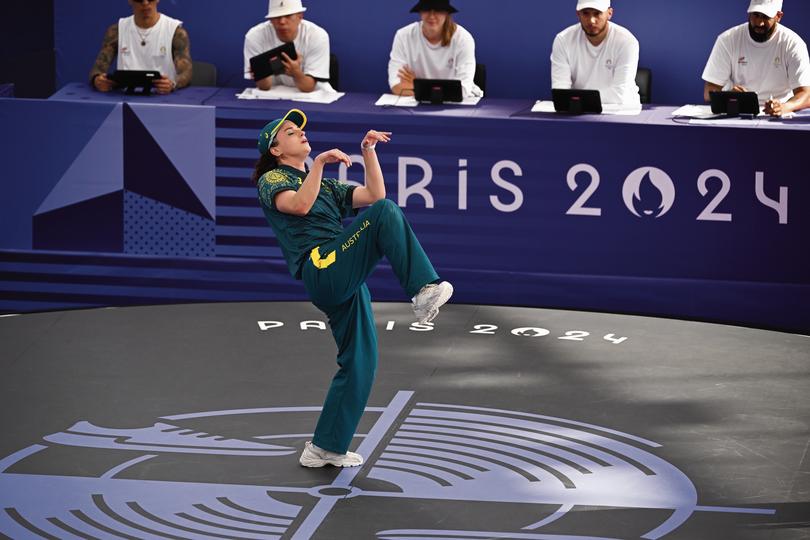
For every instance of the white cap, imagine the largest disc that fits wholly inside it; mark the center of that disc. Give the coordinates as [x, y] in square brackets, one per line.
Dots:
[769, 8]
[280, 8]
[600, 5]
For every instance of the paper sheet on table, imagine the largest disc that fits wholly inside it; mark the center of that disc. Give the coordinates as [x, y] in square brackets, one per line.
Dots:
[543, 106]
[393, 100]
[738, 122]
[293, 94]
[607, 108]
[693, 110]
[700, 110]
[702, 115]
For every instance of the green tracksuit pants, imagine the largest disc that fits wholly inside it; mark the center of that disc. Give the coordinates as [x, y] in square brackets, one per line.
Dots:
[334, 277]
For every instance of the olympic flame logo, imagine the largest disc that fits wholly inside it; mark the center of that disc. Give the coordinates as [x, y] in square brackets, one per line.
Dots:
[640, 187]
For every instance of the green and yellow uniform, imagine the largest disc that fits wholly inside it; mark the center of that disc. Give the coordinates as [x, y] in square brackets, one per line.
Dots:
[334, 263]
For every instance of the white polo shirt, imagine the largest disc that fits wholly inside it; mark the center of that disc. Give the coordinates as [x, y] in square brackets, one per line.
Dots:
[610, 68]
[312, 42]
[156, 53]
[773, 68]
[456, 61]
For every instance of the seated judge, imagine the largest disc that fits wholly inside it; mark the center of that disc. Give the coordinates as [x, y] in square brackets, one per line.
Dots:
[434, 47]
[597, 54]
[285, 24]
[146, 40]
[762, 56]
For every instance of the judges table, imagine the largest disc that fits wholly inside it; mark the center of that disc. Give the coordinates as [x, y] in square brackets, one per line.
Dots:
[642, 214]
[193, 95]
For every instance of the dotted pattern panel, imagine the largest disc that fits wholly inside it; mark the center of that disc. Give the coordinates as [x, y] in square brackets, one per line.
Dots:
[155, 228]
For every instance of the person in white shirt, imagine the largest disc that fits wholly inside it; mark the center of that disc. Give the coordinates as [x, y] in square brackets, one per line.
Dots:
[761, 56]
[286, 24]
[597, 54]
[147, 40]
[435, 47]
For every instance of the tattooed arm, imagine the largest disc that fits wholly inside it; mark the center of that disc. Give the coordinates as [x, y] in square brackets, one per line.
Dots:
[181, 52]
[182, 64]
[109, 48]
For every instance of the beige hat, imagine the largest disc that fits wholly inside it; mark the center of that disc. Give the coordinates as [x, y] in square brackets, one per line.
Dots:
[280, 8]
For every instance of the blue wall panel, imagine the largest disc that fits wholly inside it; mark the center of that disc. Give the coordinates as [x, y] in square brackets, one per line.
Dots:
[513, 37]
[155, 228]
[40, 141]
[66, 164]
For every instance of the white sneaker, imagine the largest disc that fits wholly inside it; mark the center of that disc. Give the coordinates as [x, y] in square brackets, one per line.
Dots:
[427, 302]
[314, 456]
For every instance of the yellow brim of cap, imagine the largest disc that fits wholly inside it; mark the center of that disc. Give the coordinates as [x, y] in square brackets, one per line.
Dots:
[287, 117]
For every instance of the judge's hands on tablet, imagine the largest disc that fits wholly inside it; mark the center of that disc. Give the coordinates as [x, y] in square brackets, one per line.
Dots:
[773, 107]
[292, 67]
[102, 83]
[163, 85]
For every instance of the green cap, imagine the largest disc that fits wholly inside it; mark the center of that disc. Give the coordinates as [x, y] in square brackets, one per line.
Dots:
[268, 132]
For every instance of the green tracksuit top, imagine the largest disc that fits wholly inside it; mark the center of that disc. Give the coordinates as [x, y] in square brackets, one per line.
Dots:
[299, 235]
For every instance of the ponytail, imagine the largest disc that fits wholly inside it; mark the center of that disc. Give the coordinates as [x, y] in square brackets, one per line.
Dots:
[267, 162]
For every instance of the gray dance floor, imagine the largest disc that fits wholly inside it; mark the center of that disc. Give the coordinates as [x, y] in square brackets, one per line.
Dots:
[496, 423]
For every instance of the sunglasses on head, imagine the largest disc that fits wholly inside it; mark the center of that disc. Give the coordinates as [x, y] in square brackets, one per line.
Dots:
[143, 1]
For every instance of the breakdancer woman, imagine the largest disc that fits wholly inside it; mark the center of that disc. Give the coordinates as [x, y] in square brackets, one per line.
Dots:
[305, 212]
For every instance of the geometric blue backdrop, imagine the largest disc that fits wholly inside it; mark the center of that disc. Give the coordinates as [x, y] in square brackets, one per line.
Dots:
[634, 215]
[141, 171]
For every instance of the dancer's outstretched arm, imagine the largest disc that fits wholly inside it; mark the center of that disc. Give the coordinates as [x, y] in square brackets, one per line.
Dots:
[374, 190]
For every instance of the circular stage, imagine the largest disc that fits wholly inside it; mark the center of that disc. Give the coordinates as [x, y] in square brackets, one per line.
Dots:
[187, 421]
